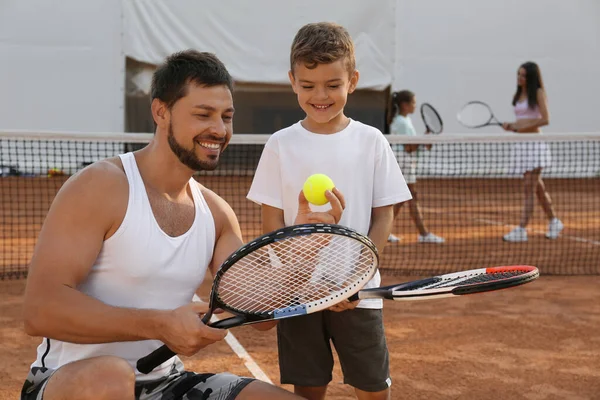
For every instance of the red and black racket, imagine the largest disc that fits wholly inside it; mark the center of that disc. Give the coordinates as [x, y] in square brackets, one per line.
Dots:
[454, 284]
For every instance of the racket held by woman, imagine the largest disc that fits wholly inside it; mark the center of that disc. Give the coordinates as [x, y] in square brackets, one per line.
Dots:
[477, 114]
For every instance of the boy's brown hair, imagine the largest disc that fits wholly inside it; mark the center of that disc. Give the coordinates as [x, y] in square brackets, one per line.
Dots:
[322, 43]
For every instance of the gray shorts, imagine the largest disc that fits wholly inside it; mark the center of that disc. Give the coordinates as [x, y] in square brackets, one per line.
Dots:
[178, 385]
[306, 359]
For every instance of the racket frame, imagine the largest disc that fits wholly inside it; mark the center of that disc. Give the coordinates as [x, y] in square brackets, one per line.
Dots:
[423, 106]
[408, 291]
[244, 318]
[491, 121]
[149, 362]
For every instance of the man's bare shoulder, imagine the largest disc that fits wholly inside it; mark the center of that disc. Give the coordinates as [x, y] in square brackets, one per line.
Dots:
[102, 185]
[105, 177]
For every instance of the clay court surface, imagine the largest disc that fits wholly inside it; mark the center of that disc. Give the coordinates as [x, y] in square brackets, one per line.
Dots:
[539, 341]
[471, 214]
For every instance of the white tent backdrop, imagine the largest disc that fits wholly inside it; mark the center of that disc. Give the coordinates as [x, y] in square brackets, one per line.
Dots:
[451, 52]
[62, 64]
[253, 38]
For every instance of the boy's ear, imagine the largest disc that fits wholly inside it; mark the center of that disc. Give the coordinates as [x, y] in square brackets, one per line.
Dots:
[292, 80]
[354, 76]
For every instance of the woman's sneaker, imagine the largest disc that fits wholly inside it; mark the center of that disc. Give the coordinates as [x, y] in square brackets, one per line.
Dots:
[430, 238]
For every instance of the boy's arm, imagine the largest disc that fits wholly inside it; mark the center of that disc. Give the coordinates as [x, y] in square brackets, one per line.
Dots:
[382, 219]
[272, 218]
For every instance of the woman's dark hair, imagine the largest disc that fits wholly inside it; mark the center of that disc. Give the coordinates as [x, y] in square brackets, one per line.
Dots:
[533, 82]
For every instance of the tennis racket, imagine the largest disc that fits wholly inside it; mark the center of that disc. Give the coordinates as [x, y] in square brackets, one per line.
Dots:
[477, 114]
[431, 119]
[293, 271]
[455, 284]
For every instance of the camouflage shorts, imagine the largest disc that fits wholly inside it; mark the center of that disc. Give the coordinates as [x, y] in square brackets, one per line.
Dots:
[178, 385]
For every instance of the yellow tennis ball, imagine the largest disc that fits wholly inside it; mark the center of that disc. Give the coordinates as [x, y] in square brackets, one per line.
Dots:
[315, 187]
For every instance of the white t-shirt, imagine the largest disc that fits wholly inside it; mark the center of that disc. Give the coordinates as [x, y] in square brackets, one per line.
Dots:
[358, 159]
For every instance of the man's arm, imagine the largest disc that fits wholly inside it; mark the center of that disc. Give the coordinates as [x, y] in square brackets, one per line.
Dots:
[228, 231]
[229, 239]
[80, 217]
[85, 212]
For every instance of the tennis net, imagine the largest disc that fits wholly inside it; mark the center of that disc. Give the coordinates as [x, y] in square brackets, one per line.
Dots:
[469, 188]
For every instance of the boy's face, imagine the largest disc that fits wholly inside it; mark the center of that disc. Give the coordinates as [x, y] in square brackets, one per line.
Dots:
[323, 91]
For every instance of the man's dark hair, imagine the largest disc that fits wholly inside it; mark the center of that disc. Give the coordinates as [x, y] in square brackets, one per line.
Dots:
[170, 81]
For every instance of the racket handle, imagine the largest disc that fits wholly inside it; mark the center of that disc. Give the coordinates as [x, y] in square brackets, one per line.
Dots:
[206, 318]
[354, 297]
[146, 364]
[228, 323]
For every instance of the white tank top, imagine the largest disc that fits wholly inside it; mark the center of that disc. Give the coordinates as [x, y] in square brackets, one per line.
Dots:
[140, 266]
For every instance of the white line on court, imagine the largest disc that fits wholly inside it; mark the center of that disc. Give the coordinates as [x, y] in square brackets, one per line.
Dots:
[500, 223]
[568, 237]
[239, 350]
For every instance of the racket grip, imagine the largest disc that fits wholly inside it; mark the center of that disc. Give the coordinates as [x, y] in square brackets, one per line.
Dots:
[354, 297]
[146, 364]
[228, 323]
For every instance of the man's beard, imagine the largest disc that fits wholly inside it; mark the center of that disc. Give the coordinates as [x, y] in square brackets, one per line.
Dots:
[189, 157]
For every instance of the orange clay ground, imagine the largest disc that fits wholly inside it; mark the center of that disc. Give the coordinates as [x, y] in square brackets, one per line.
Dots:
[540, 341]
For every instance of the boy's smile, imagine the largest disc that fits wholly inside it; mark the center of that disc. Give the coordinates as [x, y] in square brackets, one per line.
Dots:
[322, 94]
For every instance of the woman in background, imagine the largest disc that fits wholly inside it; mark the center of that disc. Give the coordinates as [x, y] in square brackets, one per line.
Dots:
[531, 111]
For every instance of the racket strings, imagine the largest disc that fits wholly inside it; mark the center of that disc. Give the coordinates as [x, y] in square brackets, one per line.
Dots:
[432, 120]
[296, 270]
[475, 114]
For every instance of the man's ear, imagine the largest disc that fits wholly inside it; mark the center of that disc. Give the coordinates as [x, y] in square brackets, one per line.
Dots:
[160, 113]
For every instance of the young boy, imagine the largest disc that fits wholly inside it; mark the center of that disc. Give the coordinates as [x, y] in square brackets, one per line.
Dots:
[360, 162]
[404, 104]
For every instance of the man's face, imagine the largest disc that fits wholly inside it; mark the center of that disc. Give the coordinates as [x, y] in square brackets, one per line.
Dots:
[201, 125]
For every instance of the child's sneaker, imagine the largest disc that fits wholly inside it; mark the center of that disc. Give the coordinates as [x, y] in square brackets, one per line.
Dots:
[519, 234]
[554, 228]
[393, 239]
